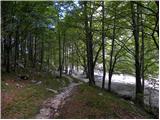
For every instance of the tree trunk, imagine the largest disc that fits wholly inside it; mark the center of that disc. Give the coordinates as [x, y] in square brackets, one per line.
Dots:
[16, 57]
[30, 48]
[63, 57]
[35, 51]
[142, 54]
[103, 47]
[42, 54]
[23, 52]
[60, 61]
[111, 54]
[8, 48]
[89, 44]
[135, 21]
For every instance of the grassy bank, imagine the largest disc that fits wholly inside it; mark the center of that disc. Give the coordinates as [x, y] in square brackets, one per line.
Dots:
[92, 102]
[26, 100]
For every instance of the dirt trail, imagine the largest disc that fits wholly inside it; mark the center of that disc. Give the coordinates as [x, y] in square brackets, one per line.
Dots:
[52, 105]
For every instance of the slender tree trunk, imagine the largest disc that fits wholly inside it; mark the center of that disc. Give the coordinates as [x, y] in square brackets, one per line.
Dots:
[30, 48]
[103, 47]
[4, 38]
[35, 51]
[135, 20]
[87, 41]
[77, 66]
[142, 53]
[63, 57]
[5, 52]
[67, 60]
[91, 48]
[89, 44]
[16, 57]
[42, 54]
[23, 52]
[72, 63]
[8, 54]
[111, 54]
[2, 51]
[60, 61]
[48, 57]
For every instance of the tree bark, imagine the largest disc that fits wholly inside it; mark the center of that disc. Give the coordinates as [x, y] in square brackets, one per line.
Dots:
[111, 53]
[63, 57]
[35, 51]
[60, 61]
[89, 45]
[103, 47]
[135, 21]
[8, 48]
[42, 54]
[142, 53]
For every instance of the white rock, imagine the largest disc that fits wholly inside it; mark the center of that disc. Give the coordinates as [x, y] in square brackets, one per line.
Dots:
[6, 84]
[131, 102]
[45, 111]
[56, 114]
[55, 91]
[17, 85]
[100, 94]
[33, 81]
[38, 83]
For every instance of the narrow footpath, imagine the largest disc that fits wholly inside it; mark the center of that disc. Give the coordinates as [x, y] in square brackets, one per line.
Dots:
[51, 106]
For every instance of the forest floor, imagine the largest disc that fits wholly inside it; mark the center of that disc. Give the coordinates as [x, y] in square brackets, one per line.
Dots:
[92, 102]
[24, 99]
[124, 85]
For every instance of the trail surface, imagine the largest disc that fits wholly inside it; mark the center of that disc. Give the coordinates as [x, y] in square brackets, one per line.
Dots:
[51, 106]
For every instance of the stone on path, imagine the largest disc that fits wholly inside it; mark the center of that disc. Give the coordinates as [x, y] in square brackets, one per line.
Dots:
[38, 83]
[100, 94]
[51, 106]
[55, 91]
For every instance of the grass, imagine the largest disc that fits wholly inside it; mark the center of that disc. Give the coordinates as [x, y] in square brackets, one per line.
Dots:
[86, 102]
[27, 101]
[93, 102]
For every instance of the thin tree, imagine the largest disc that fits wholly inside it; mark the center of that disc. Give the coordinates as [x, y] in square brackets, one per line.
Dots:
[103, 47]
[135, 24]
[111, 53]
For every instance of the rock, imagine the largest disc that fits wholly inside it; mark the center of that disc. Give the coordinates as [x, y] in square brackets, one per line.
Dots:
[21, 65]
[100, 94]
[6, 84]
[131, 102]
[23, 77]
[55, 91]
[38, 83]
[18, 85]
[33, 81]
[44, 113]
[56, 115]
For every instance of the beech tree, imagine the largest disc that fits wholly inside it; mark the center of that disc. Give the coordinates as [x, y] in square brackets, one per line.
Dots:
[71, 36]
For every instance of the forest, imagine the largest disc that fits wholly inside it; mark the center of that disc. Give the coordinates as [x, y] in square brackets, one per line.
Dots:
[80, 59]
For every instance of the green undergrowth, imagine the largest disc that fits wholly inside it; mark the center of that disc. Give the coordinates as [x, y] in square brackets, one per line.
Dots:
[27, 101]
[96, 103]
